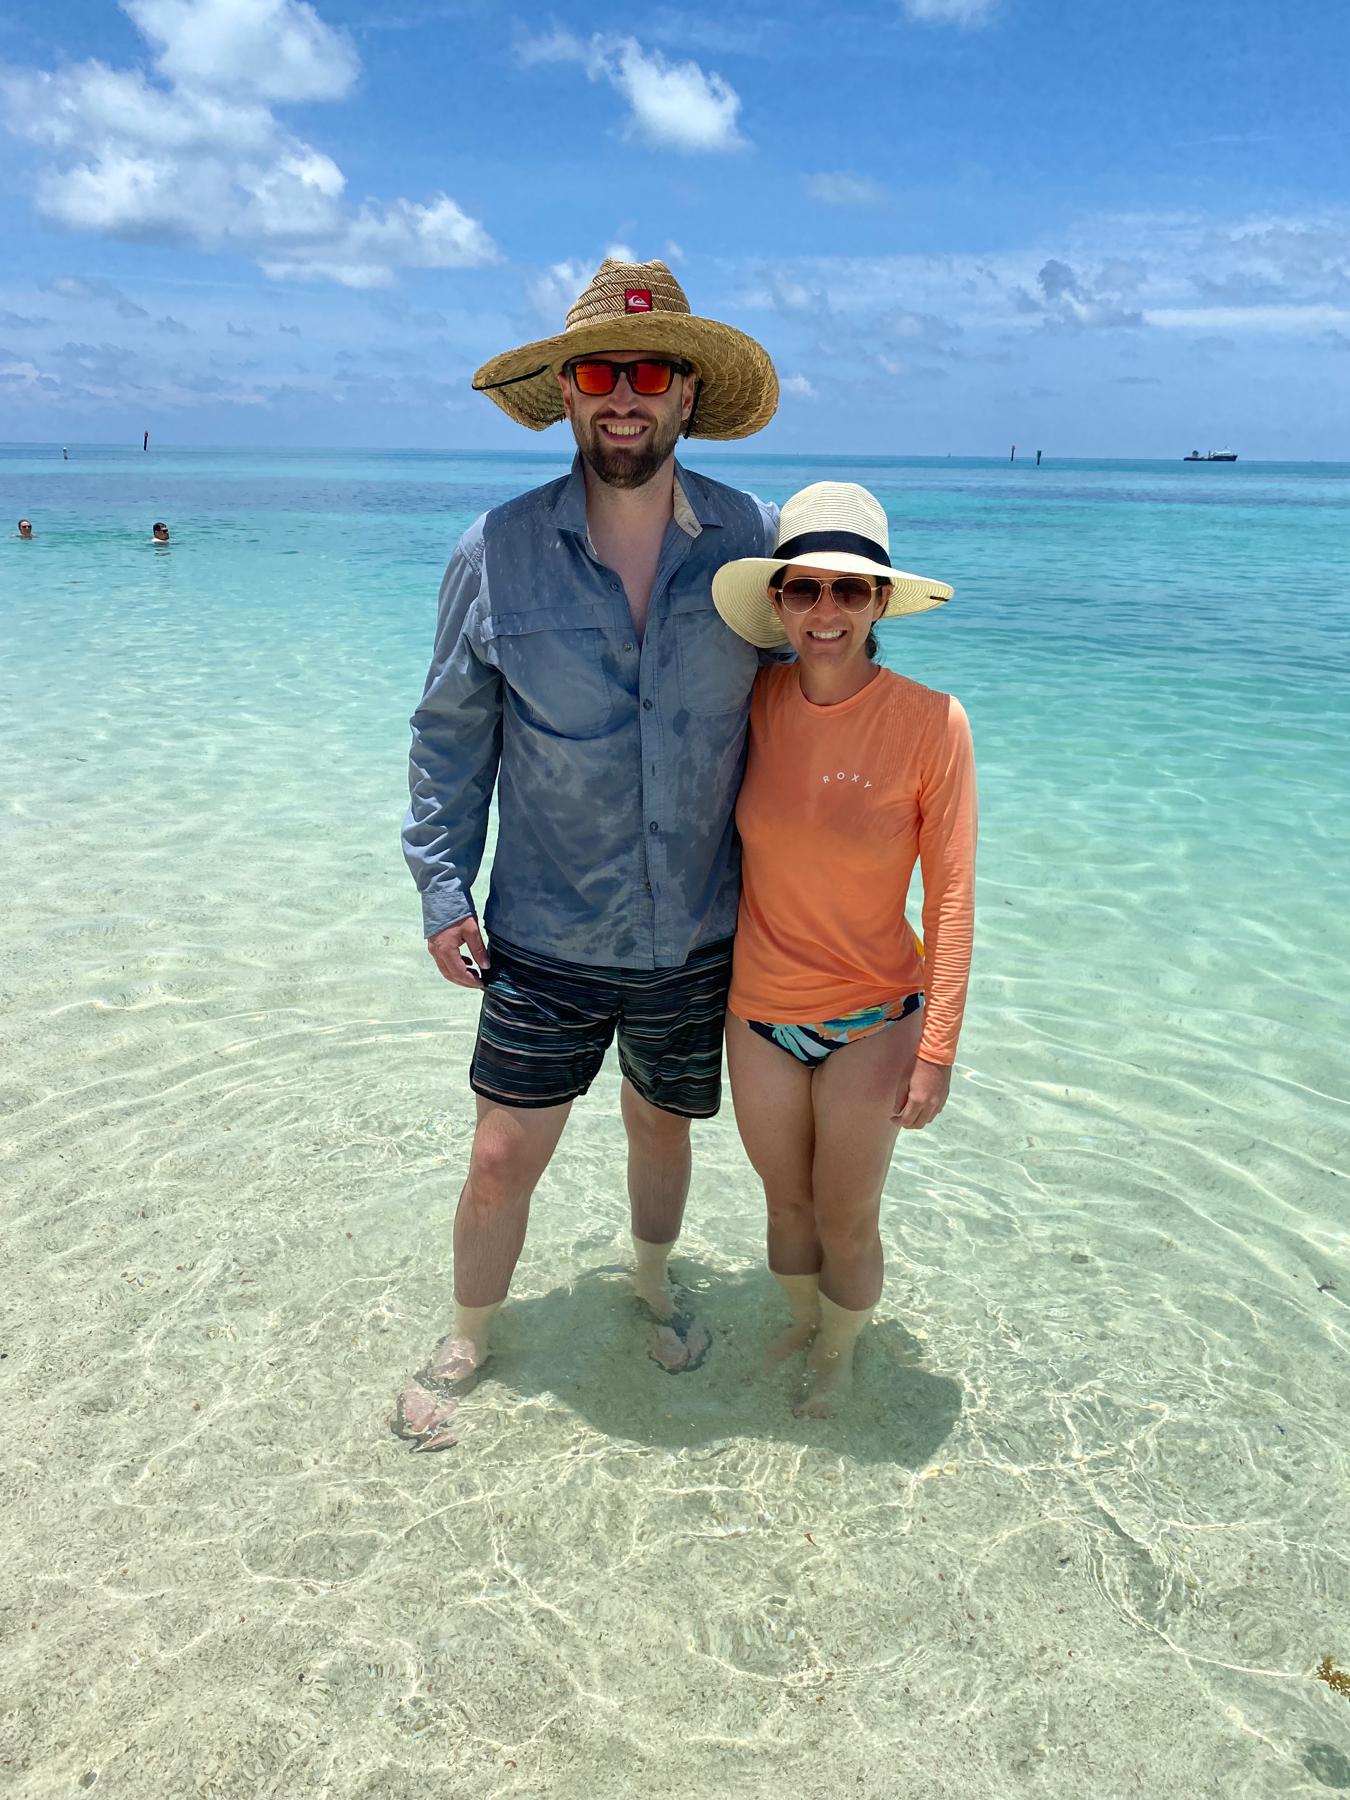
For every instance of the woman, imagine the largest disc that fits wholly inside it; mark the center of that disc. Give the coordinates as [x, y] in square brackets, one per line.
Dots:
[842, 1026]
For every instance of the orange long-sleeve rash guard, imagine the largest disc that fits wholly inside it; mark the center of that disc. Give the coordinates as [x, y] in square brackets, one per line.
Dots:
[838, 804]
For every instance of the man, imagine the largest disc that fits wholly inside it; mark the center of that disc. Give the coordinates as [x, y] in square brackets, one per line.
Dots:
[580, 666]
[159, 531]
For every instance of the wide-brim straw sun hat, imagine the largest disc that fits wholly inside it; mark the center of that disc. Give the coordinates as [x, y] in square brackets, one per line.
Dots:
[640, 306]
[836, 527]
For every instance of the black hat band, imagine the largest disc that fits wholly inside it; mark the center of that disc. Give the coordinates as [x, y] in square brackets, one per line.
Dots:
[852, 541]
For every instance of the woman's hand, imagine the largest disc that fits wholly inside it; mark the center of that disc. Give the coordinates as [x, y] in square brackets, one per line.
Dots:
[920, 1103]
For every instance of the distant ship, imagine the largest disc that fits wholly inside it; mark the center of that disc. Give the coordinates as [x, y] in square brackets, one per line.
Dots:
[1211, 456]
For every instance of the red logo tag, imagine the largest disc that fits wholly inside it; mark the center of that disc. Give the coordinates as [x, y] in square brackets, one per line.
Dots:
[637, 299]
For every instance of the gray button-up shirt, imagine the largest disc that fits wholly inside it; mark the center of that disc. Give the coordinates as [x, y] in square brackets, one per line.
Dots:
[616, 758]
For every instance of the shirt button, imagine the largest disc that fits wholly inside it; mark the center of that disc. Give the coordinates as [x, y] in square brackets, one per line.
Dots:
[628, 646]
[646, 706]
[653, 826]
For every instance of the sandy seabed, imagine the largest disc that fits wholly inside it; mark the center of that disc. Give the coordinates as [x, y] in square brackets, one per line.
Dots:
[1083, 1533]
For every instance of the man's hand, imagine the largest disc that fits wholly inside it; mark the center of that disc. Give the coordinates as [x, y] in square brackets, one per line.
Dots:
[921, 1102]
[448, 949]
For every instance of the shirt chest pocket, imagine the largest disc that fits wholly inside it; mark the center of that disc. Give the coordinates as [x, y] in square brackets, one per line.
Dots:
[717, 667]
[553, 661]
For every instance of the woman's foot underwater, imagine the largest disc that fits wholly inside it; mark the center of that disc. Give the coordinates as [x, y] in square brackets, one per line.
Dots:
[788, 1342]
[802, 1293]
[825, 1385]
[829, 1361]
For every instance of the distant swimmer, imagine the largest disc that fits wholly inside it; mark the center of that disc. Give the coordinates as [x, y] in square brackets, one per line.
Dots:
[159, 531]
[25, 528]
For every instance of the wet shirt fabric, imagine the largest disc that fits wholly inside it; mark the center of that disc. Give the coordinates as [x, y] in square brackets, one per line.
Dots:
[616, 758]
[838, 805]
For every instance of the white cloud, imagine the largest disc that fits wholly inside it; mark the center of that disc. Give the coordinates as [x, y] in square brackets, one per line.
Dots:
[1096, 299]
[77, 287]
[278, 49]
[840, 189]
[90, 104]
[1299, 320]
[785, 295]
[798, 386]
[205, 161]
[553, 291]
[673, 105]
[1137, 274]
[404, 234]
[949, 12]
[555, 46]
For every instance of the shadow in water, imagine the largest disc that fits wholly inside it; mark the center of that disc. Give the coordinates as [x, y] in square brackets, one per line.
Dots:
[584, 1346]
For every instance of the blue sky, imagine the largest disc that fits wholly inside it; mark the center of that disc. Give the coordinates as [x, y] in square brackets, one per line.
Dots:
[1097, 229]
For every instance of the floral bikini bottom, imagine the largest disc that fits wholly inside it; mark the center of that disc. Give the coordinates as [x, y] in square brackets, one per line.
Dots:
[813, 1043]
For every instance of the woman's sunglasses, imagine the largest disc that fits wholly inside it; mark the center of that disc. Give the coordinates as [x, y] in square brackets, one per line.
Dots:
[649, 376]
[851, 593]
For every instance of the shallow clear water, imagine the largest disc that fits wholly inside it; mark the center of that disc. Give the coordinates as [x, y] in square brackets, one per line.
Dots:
[1085, 1531]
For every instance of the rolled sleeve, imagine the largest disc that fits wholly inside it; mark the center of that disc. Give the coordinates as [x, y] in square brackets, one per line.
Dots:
[456, 748]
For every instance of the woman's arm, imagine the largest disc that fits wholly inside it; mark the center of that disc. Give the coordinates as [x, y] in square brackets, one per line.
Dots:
[947, 829]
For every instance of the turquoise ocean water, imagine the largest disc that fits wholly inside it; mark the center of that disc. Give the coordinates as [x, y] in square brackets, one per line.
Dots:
[1085, 1531]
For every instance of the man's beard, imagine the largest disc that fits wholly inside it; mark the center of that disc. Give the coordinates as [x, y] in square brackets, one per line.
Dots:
[627, 468]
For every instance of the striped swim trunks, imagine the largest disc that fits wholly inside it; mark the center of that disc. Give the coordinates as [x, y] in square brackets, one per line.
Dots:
[545, 1026]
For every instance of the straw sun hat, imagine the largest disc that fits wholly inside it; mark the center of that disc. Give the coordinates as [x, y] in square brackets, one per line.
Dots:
[836, 527]
[640, 306]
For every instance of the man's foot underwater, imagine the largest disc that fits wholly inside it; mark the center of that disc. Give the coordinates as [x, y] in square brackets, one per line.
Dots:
[679, 1342]
[431, 1399]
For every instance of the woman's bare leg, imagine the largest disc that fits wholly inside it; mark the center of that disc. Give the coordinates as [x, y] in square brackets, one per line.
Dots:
[853, 1095]
[771, 1094]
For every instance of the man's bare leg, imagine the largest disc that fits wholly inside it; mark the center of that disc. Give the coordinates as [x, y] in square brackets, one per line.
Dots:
[659, 1162]
[512, 1146]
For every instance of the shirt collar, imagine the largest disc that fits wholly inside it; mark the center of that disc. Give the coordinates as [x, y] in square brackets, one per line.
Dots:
[694, 506]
